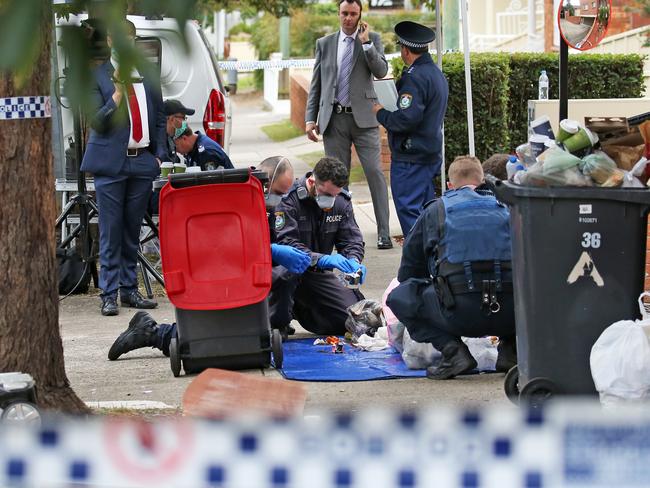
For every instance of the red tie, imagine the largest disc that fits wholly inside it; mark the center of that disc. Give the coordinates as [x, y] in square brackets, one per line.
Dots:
[135, 114]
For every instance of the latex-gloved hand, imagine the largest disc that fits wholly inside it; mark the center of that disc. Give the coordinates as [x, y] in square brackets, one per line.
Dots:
[359, 266]
[338, 261]
[293, 259]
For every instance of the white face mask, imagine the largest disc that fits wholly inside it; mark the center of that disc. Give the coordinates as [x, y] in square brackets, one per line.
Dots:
[325, 201]
[272, 200]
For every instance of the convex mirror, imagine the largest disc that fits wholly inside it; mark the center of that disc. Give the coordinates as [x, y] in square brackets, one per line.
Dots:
[583, 23]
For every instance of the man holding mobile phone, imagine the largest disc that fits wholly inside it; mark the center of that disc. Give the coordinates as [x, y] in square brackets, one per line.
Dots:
[340, 103]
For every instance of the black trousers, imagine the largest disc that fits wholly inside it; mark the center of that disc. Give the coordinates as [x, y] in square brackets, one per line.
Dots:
[416, 304]
[316, 299]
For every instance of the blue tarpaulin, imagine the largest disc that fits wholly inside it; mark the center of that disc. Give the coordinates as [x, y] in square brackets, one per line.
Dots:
[305, 362]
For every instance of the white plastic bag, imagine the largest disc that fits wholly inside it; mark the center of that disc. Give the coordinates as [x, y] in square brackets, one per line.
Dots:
[419, 355]
[620, 360]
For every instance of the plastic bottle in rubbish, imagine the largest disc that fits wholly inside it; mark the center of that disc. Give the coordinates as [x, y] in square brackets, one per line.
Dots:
[511, 166]
[543, 86]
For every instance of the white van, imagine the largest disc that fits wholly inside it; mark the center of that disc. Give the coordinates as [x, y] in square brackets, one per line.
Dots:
[193, 78]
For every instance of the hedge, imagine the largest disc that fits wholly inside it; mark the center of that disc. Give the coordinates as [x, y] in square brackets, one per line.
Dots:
[503, 83]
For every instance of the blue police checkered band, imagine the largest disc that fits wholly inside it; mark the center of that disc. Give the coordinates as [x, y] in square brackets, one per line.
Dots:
[274, 64]
[412, 44]
[15, 108]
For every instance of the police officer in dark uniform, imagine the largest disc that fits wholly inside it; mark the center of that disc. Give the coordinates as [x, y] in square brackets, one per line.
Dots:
[176, 114]
[144, 331]
[200, 150]
[455, 276]
[317, 217]
[415, 128]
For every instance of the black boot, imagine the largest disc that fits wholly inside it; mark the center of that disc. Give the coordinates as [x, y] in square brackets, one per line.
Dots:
[456, 359]
[507, 357]
[141, 332]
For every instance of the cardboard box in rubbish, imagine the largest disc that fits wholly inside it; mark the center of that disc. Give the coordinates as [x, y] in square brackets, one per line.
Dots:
[618, 140]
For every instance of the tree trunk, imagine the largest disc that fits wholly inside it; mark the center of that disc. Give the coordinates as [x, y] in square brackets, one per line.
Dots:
[30, 341]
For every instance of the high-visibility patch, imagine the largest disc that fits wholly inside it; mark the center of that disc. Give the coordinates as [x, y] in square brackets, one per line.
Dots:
[280, 220]
[405, 100]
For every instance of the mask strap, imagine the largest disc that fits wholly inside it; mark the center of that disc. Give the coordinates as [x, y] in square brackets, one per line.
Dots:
[275, 172]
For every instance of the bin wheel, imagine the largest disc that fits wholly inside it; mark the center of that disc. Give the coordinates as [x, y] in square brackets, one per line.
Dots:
[175, 357]
[537, 392]
[511, 385]
[21, 412]
[276, 348]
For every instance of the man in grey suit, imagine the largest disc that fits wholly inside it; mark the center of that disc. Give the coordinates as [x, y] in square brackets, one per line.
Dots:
[340, 103]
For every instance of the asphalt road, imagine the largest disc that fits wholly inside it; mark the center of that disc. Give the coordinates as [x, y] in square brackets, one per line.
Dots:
[145, 375]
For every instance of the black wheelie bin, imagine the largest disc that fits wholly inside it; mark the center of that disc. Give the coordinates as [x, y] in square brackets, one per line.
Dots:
[578, 260]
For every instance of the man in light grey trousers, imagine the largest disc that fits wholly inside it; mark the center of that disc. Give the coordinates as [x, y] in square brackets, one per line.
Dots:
[340, 103]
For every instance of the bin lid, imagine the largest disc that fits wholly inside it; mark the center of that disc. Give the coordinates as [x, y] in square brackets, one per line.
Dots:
[510, 193]
[214, 243]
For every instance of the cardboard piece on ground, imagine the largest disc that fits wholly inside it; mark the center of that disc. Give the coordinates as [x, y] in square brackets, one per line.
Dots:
[218, 393]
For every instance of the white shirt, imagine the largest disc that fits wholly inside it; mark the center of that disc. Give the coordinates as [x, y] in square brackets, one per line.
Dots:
[341, 46]
[140, 94]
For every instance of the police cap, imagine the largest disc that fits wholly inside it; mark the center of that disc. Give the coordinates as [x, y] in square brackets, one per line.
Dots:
[412, 34]
[176, 107]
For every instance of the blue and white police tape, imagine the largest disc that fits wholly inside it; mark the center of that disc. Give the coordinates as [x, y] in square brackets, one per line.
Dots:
[15, 108]
[563, 445]
[274, 64]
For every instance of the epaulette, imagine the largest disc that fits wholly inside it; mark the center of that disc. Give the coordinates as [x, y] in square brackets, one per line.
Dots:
[346, 193]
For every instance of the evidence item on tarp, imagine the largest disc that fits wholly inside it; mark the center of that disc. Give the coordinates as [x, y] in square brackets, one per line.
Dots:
[364, 317]
[578, 263]
[18, 399]
[216, 258]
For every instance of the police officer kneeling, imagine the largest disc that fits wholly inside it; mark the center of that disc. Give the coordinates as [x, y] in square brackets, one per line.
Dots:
[316, 216]
[455, 275]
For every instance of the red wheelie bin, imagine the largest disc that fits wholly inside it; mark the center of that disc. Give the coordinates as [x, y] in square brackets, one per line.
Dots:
[216, 260]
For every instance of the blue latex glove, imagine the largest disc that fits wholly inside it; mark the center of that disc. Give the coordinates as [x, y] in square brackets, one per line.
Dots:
[338, 261]
[291, 258]
[360, 266]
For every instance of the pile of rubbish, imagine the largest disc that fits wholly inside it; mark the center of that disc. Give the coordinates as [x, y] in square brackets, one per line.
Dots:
[575, 157]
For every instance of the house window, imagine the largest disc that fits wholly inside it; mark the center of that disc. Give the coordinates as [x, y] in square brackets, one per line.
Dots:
[593, 4]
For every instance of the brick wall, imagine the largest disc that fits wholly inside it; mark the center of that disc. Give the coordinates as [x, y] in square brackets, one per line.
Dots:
[298, 90]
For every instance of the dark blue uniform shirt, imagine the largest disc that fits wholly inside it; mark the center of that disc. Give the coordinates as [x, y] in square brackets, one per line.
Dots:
[300, 223]
[207, 154]
[414, 129]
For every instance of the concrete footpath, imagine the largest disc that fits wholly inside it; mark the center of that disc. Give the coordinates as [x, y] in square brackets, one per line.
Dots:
[145, 375]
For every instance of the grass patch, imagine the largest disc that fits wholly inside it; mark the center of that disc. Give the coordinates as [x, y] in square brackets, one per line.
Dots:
[282, 131]
[356, 173]
[311, 158]
[246, 83]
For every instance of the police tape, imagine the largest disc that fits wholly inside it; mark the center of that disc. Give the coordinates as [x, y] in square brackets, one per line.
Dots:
[28, 107]
[273, 64]
[562, 445]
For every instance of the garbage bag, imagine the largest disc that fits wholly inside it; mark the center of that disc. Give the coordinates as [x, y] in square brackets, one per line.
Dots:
[620, 360]
[600, 167]
[395, 327]
[364, 317]
[484, 350]
[419, 355]
[537, 176]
